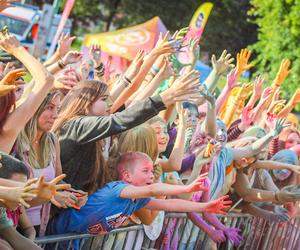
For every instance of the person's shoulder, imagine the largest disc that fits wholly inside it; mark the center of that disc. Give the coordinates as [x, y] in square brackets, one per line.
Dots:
[112, 187]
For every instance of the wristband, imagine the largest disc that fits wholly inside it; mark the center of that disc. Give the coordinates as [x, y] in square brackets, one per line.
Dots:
[61, 64]
[154, 70]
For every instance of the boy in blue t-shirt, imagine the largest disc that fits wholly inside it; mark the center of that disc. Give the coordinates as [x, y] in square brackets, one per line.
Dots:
[110, 206]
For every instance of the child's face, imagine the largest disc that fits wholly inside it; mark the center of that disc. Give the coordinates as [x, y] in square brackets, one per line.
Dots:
[101, 107]
[161, 135]
[292, 140]
[49, 115]
[18, 177]
[142, 174]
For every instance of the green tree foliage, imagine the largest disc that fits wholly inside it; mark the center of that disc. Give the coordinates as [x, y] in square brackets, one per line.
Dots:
[278, 38]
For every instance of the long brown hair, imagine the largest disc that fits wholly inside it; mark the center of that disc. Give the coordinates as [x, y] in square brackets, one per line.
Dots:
[25, 139]
[77, 103]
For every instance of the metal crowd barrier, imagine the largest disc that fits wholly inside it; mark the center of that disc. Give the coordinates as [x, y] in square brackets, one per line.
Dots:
[183, 235]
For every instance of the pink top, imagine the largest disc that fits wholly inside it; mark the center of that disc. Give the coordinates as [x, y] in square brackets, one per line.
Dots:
[14, 216]
[39, 215]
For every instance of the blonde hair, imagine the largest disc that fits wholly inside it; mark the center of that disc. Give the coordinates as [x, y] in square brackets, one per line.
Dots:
[25, 140]
[142, 139]
[77, 103]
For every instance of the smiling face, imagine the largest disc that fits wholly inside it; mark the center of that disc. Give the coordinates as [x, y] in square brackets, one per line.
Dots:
[162, 135]
[49, 115]
[101, 107]
[136, 168]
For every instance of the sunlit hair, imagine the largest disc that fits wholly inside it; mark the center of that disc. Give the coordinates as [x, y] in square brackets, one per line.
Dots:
[142, 139]
[7, 104]
[129, 160]
[156, 119]
[25, 140]
[78, 103]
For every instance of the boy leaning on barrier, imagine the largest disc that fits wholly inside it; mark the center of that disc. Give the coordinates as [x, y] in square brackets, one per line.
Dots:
[110, 206]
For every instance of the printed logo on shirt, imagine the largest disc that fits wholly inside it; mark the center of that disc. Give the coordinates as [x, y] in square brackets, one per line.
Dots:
[112, 222]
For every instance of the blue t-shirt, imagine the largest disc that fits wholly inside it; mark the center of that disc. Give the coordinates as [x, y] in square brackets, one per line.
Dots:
[104, 211]
[217, 171]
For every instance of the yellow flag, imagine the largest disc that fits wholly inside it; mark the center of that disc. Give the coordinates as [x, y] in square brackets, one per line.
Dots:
[199, 20]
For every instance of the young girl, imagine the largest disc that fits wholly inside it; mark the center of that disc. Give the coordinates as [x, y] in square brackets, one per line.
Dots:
[12, 118]
[39, 150]
[85, 120]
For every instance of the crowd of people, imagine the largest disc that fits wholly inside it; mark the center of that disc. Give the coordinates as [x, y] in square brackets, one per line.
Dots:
[84, 149]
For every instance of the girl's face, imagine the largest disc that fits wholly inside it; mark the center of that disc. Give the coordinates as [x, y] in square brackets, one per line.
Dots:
[161, 135]
[292, 140]
[49, 115]
[101, 107]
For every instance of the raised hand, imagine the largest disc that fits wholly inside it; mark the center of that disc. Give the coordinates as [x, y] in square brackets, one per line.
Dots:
[217, 206]
[242, 60]
[186, 87]
[135, 66]
[182, 115]
[267, 93]
[72, 57]
[19, 195]
[164, 46]
[9, 43]
[198, 184]
[279, 126]
[166, 70]
[47, 190]
[232, 79]
[283, 73]
[95, 54]
[296, 97]
[247, 118]
[180, 34]
[233, 234]
[64, 44]
[11, 78]
[258, 86]
[67, 78]
[4, 4]
[223, 63]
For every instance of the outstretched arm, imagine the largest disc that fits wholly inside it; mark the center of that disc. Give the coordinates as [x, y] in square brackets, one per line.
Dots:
[177, 205]
[161, 189]
[255, 148]
[276, 165]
